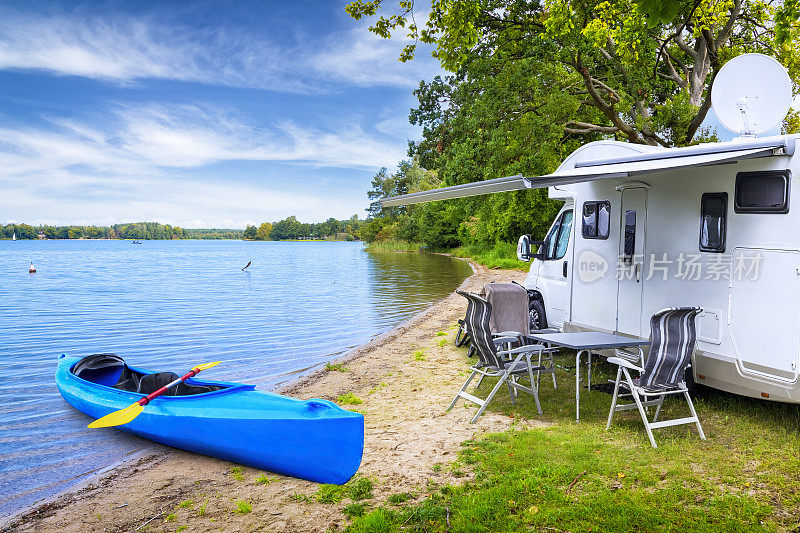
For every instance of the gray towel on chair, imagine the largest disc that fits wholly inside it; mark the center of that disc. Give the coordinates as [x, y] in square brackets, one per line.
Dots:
[509, 307]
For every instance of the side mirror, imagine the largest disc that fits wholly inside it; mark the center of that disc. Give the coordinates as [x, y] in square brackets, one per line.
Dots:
[524, 248]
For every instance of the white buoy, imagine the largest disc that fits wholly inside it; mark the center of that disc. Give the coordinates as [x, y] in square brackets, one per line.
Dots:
[32, 269]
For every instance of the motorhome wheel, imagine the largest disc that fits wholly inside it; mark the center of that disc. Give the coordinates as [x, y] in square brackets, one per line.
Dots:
[538, 317]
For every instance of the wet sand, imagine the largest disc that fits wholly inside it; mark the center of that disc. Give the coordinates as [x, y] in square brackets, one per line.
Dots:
[409, 442]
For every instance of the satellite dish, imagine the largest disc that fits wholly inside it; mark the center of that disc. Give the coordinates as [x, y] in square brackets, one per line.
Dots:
[751, 94]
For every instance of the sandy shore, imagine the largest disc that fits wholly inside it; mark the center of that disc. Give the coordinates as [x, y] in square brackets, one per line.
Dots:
[409, 442]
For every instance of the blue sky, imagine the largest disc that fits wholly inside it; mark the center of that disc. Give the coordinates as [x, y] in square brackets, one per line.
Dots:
[200, 114]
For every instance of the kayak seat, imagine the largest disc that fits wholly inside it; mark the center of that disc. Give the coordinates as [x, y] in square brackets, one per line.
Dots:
[149, 383]
[111, 370]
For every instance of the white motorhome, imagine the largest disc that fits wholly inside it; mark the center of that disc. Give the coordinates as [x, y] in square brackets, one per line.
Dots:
[643, 228]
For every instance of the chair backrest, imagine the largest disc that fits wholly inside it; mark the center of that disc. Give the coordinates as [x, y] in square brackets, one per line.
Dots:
[477, 321]
[673, 336]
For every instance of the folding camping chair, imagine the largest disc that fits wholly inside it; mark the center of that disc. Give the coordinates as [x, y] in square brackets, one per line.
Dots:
[673, 337]
[508, 365]
[511, 317]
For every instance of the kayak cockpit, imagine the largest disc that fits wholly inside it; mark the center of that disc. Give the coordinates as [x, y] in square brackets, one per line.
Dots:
[110, 370]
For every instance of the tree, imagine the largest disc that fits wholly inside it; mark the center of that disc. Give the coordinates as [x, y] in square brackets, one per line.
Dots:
[250, 233]
[263, 231]
[640, 71]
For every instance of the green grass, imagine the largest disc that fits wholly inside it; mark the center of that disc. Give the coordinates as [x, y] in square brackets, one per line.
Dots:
[202, 509]
[170, 517]
[393, 246]
[398, 499]
[443, 342]
[419, 355]
[237, 473]
[185, 504]
[243, 507]
[359, 488]
[349, 398]
[501, 255]
[338, 367]
[354, 510]
[580, 477]
[181, 528]
[301, 498]
[330, 493]
[440, 333]
[263, 479]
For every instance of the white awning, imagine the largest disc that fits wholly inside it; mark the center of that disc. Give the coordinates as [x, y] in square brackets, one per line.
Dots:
[603, 169]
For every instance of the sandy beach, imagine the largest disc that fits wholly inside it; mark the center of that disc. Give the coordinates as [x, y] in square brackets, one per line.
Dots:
[409, 442]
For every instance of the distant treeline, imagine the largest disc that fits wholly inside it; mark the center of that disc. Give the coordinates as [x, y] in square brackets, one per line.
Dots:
[292, 229]
[133, 230]
[289, 228]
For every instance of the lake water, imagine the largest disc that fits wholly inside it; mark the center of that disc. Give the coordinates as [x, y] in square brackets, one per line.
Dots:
[169, 305]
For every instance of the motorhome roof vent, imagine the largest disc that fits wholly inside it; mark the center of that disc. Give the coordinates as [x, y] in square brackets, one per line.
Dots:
[751, 94]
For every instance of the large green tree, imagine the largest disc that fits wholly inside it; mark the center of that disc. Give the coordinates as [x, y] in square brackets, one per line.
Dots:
[640, 72]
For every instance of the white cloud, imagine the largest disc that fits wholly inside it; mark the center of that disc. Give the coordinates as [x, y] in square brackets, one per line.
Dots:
[188, 137]
[362, 58]
[125, 50]
[136, 167]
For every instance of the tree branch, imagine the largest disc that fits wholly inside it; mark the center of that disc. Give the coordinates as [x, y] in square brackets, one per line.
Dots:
[728, 28]
[585, 127]
[685, 47]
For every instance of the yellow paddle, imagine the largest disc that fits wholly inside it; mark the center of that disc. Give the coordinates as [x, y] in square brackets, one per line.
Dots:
[123, 416]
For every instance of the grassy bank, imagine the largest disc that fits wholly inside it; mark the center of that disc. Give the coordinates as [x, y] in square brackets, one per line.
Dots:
[501, 255]
[580, 477]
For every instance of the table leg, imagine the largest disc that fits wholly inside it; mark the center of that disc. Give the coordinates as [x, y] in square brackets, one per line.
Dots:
[589, 369]
[578, 385]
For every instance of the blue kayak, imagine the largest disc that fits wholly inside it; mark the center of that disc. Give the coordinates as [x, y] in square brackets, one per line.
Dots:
[315, 439]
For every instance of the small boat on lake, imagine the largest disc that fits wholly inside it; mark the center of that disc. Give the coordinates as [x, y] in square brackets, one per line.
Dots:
[315, 439]
[136, 242]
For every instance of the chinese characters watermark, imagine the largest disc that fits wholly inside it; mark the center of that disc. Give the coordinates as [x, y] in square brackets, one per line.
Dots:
[592, 266]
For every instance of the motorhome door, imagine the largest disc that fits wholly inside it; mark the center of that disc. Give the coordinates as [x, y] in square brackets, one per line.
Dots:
[554, 273]
[630, 275]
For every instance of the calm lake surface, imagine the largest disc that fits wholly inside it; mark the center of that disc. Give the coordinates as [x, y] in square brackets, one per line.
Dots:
[170, 305]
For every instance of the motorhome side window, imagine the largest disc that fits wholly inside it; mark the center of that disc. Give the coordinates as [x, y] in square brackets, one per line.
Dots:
[558, 239]
[762, 192]
[596, 220]
[713, 219]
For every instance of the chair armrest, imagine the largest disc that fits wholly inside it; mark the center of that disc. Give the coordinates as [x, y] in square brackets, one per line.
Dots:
[624, 362]
[504, 340]
[529, 348]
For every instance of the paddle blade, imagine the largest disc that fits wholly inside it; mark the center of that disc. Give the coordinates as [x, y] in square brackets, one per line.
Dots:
[117, 418]
[206, 366]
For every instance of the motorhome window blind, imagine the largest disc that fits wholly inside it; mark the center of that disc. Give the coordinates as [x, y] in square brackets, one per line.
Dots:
[596, 220]
[557, 240]
[762, 192]
[713, 220]
[630, 237]
[563, 235]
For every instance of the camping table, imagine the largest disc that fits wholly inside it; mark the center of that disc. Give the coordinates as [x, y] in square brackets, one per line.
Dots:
[585, 342]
